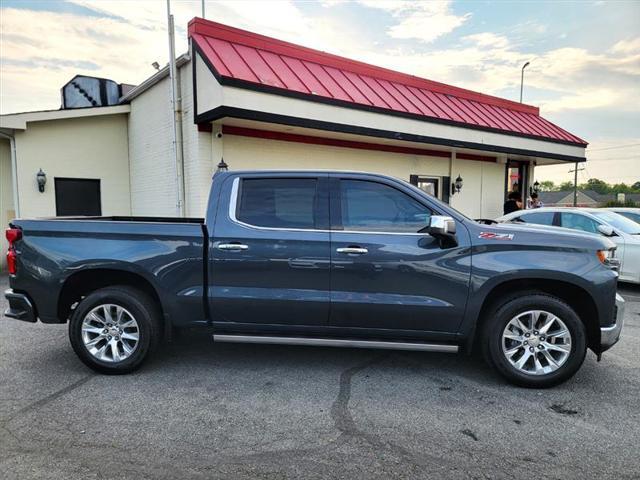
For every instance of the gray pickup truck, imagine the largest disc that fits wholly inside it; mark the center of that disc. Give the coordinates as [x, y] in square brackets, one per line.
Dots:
[320, 258]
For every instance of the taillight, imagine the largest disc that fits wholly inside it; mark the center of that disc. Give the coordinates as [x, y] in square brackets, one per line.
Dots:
[13, 235]
[12, 263]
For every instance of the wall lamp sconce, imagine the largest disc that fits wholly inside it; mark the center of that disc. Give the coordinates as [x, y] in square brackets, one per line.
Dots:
[41, 177]
[456, 186]
[222, 166]
[535, 188]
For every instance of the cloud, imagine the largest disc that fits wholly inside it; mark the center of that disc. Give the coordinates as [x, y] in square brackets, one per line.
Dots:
[123, 39]
[420, 20]
[627, 46]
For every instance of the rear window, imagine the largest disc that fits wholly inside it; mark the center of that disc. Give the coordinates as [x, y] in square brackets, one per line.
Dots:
[278, 202]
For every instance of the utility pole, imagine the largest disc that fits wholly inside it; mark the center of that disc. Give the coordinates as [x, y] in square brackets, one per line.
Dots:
[522, 79]
[575, 183]
[176, 110]
[203, 9]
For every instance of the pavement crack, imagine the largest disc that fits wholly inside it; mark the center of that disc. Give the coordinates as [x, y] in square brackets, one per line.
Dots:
[346, 425]
[49, 398]
[340, 409]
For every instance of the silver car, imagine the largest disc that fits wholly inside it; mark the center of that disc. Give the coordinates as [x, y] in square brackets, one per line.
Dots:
[598, 221]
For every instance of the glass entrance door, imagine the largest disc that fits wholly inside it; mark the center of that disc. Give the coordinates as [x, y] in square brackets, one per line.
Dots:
[516, 180]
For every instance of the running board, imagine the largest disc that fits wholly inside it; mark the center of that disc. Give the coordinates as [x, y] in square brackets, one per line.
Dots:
[331, 342]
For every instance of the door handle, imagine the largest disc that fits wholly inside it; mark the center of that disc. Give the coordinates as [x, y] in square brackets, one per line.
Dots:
[233, 246]
[352, 250]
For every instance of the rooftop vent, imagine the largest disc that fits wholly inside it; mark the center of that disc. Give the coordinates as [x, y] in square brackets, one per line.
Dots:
[82, 92]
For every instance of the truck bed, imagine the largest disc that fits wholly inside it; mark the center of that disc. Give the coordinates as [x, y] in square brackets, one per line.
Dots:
[165, 253]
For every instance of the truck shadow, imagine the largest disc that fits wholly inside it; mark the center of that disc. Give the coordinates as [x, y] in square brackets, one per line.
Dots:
[197, 351]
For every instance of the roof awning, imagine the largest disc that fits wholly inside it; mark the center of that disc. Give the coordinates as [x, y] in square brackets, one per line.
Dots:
[246, 60]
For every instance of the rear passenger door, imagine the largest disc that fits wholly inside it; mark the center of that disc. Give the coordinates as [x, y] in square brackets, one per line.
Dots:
[269, 258]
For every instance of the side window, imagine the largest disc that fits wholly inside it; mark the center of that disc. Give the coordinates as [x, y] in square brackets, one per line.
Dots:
[372, 206]
[576, 221]
[277, 202]
[539, 218]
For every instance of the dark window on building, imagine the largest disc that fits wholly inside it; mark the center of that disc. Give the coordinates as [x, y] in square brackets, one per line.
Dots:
[278, 202]
[77, 196]
[430, 185]
[372, 206]
[539, 218]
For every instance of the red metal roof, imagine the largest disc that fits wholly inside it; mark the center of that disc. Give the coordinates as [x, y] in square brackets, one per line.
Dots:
[248, 59]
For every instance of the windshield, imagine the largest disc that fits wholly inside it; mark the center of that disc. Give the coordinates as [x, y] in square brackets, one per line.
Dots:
[619, 222]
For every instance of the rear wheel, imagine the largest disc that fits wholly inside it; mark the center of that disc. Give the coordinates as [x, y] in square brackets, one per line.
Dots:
[535, 340]
[113, 329]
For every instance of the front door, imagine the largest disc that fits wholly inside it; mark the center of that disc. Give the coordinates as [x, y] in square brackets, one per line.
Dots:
[269, 258]
[384, 273]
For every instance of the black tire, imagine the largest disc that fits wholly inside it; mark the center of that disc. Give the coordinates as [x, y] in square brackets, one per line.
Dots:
[496, 321]
[143, 310]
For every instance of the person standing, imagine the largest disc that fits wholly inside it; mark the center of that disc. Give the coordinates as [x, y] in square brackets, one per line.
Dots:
[534, 201]
[513, 203]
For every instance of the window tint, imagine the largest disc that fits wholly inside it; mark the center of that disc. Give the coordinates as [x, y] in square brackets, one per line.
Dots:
[619, 222]
[539, 218]
[631, 215]
[278, 202]
[576, 221]
[371, 206]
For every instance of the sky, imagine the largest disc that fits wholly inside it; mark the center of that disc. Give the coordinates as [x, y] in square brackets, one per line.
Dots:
[584, 70]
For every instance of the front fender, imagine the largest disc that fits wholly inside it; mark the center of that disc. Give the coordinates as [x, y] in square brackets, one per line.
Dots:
[492, 269]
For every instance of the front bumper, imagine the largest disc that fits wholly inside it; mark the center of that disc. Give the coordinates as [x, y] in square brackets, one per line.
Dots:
[20, 306]
[610, 335]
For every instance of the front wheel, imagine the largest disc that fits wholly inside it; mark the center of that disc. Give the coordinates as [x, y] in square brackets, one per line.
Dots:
[535, 340]
[113, 329]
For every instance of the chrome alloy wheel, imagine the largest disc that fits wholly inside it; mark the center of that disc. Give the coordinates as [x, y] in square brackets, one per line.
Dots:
[536, 342]
[110, 333]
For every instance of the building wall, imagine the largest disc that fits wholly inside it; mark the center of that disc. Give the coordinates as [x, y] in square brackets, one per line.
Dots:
[90, 147]
[481, 195]
[7, 212]
[152, 157]
[199, 161]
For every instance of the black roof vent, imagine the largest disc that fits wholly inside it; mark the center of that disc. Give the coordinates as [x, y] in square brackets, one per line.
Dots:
[83, 92]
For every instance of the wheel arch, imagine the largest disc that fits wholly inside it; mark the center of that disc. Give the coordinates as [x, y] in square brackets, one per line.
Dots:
[80, 284]
[573, 295]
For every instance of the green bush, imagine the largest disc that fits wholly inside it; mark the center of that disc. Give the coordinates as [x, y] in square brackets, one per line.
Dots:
[626, 203]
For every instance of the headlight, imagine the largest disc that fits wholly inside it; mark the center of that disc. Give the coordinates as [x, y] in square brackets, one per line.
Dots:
[607, 257]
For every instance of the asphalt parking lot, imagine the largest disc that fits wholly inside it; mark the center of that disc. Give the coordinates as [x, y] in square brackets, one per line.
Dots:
[243, 411]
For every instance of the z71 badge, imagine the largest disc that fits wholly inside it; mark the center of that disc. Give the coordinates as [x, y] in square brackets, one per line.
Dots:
[495, 236]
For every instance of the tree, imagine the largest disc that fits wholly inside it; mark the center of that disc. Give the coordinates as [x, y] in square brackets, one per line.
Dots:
[547, 186]
[598, 185]
[636, 186]
[621, 188]
[565, 186]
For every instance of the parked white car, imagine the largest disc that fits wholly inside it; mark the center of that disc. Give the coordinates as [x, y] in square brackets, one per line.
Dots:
[629, 212]
[623, 231]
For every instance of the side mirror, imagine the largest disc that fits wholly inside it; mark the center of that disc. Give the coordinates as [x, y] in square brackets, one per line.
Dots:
[606, 230]
[441, 225]
[444, 229]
